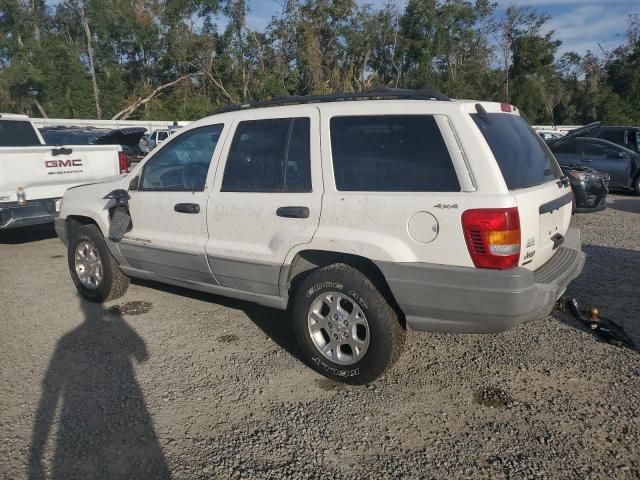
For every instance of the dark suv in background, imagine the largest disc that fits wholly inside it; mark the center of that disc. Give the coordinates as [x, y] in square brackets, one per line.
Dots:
[578, 148]
[628, 137]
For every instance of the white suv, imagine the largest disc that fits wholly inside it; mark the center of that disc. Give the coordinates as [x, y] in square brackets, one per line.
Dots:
[401, 209]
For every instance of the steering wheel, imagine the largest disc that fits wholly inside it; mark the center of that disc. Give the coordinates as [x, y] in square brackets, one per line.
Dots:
[194, 175]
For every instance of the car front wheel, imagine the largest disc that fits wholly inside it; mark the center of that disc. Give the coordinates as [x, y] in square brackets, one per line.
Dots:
[93, 270]
[346, 328]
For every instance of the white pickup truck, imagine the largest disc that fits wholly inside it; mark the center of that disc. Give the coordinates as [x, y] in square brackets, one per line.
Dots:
[34, 176]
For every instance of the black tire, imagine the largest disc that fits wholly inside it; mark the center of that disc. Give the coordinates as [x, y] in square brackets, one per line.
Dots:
[636, 185]
[114, 283]
[386, 334]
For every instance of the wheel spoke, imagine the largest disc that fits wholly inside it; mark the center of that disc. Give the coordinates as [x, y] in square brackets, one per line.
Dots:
[331, 300]
[329, 349]
[356, 316]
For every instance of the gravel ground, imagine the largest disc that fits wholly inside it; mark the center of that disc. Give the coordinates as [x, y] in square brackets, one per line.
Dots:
[166, 382]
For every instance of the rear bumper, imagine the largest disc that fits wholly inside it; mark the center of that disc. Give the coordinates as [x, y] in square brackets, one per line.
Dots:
[439, 298]
[33, 213]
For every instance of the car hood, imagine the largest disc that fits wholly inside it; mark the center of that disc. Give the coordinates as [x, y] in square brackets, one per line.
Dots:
[122, 136]
[578, 132]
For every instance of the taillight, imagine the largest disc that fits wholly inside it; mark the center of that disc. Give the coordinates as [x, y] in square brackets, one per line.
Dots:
[123, 160]
[492, 236]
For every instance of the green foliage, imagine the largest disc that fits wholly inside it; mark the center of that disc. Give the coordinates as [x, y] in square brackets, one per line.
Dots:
[169, 59]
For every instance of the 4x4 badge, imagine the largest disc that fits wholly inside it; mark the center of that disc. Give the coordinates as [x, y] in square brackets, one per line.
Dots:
[446, 205]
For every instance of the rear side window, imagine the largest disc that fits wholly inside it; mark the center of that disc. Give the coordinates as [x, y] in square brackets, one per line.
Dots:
[17, 133]
[597, 149]
[270, 155]
[523, 157]
[391, 153]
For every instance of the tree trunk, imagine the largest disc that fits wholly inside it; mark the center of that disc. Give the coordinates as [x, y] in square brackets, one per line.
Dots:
[96, 92]
[39, 107]
[125, 112]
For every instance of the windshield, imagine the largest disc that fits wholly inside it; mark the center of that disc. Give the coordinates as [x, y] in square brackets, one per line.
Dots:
[523, 157]
[17, 133]
[62, 137]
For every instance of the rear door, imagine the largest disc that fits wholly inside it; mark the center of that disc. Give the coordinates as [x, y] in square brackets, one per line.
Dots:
[533, 176]
[267, 199]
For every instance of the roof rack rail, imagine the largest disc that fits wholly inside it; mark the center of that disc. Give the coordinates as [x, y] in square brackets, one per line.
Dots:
[378, 93]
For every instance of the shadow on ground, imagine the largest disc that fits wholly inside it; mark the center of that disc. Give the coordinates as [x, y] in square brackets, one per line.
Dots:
[610, 281]
[21, 235]
[104, 429]
[630, 205]
[274, 323]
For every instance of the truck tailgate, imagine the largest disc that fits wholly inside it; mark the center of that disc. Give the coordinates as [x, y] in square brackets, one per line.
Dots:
[47, 171]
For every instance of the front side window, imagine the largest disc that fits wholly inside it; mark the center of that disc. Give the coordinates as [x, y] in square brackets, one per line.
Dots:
[182, 164]
[391, 153]
[271, 155]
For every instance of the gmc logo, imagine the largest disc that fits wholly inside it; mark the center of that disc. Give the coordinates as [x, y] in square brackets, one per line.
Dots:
[63, 163]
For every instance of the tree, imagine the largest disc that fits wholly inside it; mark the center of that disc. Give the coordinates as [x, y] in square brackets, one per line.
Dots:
[183, 58]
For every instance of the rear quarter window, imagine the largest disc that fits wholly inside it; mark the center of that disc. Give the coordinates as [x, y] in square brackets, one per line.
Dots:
[523, 157]
[17, 133]
[393, 153]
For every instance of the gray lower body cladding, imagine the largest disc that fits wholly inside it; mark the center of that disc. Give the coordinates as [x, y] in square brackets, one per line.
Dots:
[471, 300]
[186, 265]
[256, 277]
[35, 212]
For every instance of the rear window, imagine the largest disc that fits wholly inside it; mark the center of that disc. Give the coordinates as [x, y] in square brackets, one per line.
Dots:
[615, 136]
[17, 133]
[392, 153]
[523, 157]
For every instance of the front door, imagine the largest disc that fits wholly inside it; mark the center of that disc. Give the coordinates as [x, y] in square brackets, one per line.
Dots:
[267, 200]
[169, 208]
[605, 157]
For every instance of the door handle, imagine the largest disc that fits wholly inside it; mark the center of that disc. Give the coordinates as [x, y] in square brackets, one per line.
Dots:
[293, 212]
[587, 160]
[61, 151]
[187, 208]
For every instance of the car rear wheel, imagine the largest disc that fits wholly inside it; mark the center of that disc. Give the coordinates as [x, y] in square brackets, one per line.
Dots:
[346, 328]
[93, 270]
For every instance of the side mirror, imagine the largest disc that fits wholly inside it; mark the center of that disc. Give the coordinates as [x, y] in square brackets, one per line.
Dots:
[134, 183]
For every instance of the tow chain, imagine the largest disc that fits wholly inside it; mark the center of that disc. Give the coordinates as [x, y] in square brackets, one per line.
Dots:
[606, 329]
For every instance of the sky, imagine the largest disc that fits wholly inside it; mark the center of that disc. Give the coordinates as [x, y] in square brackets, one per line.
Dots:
[580, 24]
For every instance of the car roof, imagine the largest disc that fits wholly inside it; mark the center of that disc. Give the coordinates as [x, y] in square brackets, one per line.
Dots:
[13, 116]
[625, 127]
